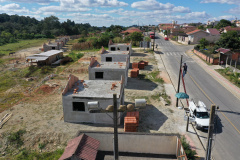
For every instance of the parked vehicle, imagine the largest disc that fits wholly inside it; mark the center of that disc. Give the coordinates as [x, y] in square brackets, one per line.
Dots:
[152, 35]
[166, 38]
[199, 114]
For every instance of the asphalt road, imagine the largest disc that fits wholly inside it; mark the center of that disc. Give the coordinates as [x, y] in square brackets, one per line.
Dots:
[201, 86]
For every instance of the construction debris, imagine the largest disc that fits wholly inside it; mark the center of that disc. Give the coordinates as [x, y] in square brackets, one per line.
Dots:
[5, 119]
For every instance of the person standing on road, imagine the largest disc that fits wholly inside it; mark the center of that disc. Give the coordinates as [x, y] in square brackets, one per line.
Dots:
[184, 69]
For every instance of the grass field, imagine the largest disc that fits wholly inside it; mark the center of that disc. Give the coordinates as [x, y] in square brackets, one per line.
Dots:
[23, 44]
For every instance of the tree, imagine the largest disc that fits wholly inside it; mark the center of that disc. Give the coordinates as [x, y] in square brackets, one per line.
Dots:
[136, 36]
[229, 40]
[223, 23]
[203, 43]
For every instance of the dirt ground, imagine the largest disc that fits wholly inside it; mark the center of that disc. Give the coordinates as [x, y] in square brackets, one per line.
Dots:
[41, 112]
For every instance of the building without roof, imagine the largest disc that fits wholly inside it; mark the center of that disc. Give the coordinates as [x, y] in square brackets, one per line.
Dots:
[45, 58]
[142, 146]
[79, 96]
[107, 70]
[57, 45]
[120, 47]
[115, 56]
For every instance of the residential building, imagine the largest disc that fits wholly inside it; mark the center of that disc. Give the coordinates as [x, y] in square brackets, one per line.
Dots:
[45, 58]
[120, 47]
[229, 28]
[212, 23]
[81, 147]
[213, 31]
[115, 56]
[82, 98]
[107, 70]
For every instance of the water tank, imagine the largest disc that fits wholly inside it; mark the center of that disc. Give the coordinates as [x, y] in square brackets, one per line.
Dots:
[140, 103]
[93, 105]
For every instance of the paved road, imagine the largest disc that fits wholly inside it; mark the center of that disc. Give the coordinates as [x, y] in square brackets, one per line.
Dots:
[201, 86]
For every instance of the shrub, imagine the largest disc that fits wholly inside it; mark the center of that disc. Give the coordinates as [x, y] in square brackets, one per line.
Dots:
[15, 138]
[189, 152]
[82, 39]
[75, 56]
[46, 69]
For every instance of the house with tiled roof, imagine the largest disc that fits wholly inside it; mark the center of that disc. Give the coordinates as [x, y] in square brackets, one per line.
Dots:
[229, 28]
[81, 147]
[213, 31]
[195, 36]
[131, 30]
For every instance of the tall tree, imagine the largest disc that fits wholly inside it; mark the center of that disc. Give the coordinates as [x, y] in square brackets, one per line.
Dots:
[229, 40]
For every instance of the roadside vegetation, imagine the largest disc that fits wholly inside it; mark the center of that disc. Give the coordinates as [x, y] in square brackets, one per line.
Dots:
[228, 73]
[187, 148]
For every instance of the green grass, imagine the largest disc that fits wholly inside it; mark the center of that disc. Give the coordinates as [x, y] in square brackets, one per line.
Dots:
[154, 76]
[75, 56]
[228, 74]
[15, 138]
[23, 44]
[30, 155]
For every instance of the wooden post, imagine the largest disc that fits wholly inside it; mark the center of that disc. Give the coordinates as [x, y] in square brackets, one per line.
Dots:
[179, 78]
[210, 133]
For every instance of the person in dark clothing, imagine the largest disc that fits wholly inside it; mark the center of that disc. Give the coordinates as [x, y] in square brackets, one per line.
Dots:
[184, 69]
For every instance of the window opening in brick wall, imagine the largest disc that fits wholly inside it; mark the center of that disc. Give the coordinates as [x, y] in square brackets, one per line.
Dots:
[78, 106]
[108, 59]
[127, 48]
[99, 75]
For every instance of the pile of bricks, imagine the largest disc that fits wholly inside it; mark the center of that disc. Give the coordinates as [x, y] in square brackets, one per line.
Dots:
[134, 65]
[142, 64]
[131, 122]
[134, 73]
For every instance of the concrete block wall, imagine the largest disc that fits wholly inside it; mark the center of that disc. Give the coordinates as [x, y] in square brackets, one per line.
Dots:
[71, 80]
[137, 142]
[117, 58]
[85, 116]
[108, 74]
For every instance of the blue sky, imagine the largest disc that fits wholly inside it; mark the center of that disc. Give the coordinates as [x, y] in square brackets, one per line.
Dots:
[125, 12]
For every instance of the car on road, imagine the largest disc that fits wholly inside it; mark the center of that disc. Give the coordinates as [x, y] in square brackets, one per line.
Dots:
[166, 38]
[152, 35]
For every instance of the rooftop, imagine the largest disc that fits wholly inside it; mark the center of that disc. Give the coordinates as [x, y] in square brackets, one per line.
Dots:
[83, 147]
[116, 52]
[92, 88]
[110, 65]
[213, 31]
[44, 55]
[222, 50]
[195, 31]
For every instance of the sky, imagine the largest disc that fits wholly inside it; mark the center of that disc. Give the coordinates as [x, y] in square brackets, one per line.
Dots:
[125, 12]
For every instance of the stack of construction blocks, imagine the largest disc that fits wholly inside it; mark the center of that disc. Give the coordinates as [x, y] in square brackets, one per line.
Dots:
[131, 122]
[136, 66]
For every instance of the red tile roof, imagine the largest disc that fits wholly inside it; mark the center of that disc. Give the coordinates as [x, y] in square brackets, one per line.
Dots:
[131, 30]
[83, 146]
[222, 50]
[229, 28]
[195, 31]
[213, 31]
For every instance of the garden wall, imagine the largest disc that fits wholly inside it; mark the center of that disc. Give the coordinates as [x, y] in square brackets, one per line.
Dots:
[206, 57]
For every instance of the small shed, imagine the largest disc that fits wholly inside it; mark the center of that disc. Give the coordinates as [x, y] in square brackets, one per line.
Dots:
[79, 95]
[45, 58]
[115, 56]
[81, 147]
[107, 70]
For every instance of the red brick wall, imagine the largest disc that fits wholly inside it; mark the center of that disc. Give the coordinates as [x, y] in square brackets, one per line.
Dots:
[206, 58]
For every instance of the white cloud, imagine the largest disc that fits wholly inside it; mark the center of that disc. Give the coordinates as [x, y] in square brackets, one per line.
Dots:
[93, 3]
[181, 9]
[228, 17]
[235, 10]
[13, 8]
[197, 15]
[221, 1]
[61, 9]
[151, 5]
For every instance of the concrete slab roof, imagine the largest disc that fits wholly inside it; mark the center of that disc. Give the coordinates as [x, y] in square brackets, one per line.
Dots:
[116, 52]
[37, 58]
[95, 89]
[44, 55]
[110, 65]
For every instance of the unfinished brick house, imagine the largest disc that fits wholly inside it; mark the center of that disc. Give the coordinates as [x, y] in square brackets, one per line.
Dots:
[115, 56]
[120, 47]
[81, 97]
[45, 58]
[57, 45]
[107, 70]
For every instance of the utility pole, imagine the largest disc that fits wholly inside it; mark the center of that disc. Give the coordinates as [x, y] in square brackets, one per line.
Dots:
[210, 133]
[179, 78]
[115, 118]
[154, 38]
[187, 122]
